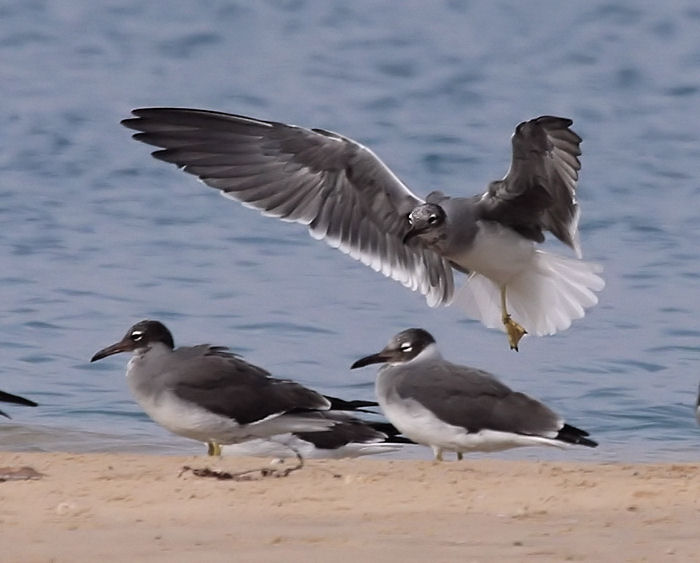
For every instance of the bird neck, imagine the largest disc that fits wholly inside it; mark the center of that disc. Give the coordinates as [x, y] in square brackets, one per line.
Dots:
[147, 358]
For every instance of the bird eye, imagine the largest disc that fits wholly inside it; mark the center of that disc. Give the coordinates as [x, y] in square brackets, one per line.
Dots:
[136, 335]
[410, 220]
[432, 219]
[406, 346]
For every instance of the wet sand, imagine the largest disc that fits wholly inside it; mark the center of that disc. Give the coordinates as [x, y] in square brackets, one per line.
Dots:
[121, 507]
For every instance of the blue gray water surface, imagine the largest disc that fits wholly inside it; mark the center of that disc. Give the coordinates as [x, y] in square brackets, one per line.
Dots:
[97, 235]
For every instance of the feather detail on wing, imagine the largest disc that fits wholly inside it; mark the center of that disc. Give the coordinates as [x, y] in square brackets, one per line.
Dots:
[335, 186]
[539, 191]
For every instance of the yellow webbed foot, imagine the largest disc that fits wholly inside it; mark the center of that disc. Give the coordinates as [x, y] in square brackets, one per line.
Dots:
[213, 449]
[514, 331]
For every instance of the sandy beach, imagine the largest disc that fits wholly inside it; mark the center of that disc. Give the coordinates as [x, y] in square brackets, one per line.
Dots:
[121, 507]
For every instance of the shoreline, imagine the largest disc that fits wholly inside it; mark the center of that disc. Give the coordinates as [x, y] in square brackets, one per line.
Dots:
[35, 438]
[120, 506]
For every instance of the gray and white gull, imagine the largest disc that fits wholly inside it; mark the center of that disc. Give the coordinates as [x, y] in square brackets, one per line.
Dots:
[209, 394]
[457, 408]
[348, 197]
[14, 399]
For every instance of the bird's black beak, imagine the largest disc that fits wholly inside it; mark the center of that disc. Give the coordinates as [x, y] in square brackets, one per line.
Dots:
[379, 358]
[125, 345]
[409, 235]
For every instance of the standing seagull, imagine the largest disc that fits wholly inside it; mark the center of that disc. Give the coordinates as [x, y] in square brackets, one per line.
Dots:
[210, 394]
[351, 199]
[16, 399]
[458, 408]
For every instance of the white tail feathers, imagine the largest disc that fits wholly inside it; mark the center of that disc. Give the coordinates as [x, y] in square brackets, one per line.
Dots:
[545, 298]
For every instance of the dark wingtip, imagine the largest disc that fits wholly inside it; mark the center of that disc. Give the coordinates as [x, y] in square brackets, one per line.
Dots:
[131, 122]
[146, 112]
[572, 435]
[16, 399]
[554, 120]
[137, 117]
[393, 434]
[589, 443]
[338, 404]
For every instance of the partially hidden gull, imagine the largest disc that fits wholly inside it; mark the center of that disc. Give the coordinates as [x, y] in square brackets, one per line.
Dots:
[350, 437]
[456, 408]
[348, 197]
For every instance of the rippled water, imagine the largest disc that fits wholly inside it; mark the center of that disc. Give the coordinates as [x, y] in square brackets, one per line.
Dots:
[97, 235]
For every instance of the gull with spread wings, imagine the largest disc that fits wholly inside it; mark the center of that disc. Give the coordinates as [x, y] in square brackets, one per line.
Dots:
[348, 197]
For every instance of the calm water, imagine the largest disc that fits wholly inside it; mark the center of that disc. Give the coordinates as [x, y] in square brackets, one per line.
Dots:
[97, 235]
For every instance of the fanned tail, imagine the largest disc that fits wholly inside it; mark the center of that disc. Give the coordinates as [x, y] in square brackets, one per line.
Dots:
[545, 298]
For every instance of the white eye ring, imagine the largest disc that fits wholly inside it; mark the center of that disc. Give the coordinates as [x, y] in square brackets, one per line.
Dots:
[406, 347]
[136, 335]
[432, 219]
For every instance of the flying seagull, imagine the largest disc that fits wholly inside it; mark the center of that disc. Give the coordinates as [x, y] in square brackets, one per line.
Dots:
[209, 394]
[348, 197]
[15, 399]
[451, 407]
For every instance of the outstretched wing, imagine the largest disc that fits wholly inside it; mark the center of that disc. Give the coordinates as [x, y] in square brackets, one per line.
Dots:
[539, 191]
[337, 187]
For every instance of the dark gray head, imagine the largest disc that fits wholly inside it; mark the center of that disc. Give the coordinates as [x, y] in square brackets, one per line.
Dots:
[426, 221]
[402, 348]
[141, 335]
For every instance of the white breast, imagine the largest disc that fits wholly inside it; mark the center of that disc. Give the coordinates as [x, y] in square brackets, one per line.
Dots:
[499, 253]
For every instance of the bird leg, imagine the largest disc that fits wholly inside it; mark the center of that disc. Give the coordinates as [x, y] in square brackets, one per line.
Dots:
[438, 454]
[213, 448]
[514, 331]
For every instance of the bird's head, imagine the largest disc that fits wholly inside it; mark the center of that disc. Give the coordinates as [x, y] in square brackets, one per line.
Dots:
[142, 335]
[427, 222]
[402, 348]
